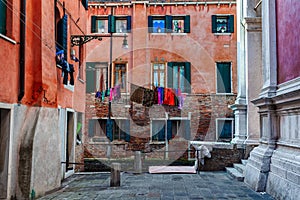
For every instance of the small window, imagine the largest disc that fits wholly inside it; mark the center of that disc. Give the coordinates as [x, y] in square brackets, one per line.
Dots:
[178, 24]
[224, 129]
[159, 75]
[119, 78]
[3, 17]
[158, 131]
[157, 24]
[224, 77]
[99, 24]
[96, 77]
[222, 23]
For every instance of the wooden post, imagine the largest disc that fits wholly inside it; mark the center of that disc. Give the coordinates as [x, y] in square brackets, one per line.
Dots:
[138, 162]
[115, 178]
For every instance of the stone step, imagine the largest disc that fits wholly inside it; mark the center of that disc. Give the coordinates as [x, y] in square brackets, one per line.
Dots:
[240, 167]
[244, 162]
[235, 174]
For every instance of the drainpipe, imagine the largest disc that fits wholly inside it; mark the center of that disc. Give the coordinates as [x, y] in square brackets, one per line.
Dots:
[22, 51]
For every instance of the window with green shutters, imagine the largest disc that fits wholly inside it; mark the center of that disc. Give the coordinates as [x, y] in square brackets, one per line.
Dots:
[175, 127]
[158, 131]
[223, 77]
[222, 23]
[62, 35]
[3, 17]
[96, 77]
[179, 76]
[111, 24]
[169, 24]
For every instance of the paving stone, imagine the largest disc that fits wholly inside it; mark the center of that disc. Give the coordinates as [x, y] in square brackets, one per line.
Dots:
[207, 185]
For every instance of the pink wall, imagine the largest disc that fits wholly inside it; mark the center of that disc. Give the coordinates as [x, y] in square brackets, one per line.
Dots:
[288, 39]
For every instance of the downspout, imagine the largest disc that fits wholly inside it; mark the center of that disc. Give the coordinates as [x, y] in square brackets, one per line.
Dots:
[22, 51]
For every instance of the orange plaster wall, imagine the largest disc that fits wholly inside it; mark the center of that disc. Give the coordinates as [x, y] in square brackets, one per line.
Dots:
[9, 54]
[43, 81]
[200, 47]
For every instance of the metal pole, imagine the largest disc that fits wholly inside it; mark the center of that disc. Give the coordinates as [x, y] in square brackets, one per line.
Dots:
[110, 68]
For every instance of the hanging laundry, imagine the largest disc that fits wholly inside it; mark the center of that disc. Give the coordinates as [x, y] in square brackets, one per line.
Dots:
[136, 93]
[160, 95]
[148, 99]
[98, 94]
[117, 94]
[180, 98]
[71, 72]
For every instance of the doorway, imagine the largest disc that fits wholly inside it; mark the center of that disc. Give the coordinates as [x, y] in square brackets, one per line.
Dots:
[4, 151]
[70, 147]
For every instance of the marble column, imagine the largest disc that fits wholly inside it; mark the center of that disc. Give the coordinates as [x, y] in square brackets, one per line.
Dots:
[258, 166]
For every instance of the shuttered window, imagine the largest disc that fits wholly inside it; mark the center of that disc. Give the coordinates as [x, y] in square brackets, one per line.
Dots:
[62, 35]
[96, 77]
[222, 23]
[3, 17]
[118, 129]
[179, 76]
[223, 77]
[111, 24]
[158, 130]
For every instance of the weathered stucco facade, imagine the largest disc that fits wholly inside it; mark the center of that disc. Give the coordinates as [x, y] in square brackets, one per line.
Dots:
[204, 107]
[39, 114]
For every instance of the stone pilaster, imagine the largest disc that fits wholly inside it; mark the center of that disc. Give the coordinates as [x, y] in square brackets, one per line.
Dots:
[269, 48]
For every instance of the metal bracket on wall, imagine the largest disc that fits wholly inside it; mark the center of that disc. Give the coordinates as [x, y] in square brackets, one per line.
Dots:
[78, 40]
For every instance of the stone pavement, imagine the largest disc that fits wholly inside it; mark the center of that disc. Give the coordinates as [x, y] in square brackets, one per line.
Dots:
[205, 185]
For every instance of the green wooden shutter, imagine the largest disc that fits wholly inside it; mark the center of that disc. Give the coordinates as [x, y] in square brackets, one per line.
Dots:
[161, 133]
[230, 23]
[187, 129]
[214, 23]
[187, 76]
[91, 128]
[90, 81]
[223, 78]
[128, 24]
[62, 35]
[187, 28]
[109, 129]
[85, 4]
[111, 24]
[168, 24]
[93, 20]
[150, 24]
[169, 129]
[170, 75]
[3, 17]
[127, 130]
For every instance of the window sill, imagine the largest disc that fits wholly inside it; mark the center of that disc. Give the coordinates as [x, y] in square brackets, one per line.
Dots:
[153, 142]
[81, 80]
[69, 87]
[158, 33]
[179, 34]
[7, 39]
[225, 93]
[222, 34]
